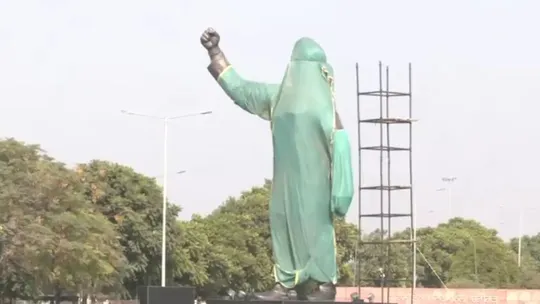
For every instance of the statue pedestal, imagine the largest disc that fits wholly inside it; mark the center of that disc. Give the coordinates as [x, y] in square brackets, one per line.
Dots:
[165, 295]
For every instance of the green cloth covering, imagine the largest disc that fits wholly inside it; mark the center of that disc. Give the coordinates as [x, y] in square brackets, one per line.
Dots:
[312, 179]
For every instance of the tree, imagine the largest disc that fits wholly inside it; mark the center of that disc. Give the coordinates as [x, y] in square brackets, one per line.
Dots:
[463, 251]
[384, 261]
[79, 246]
[240, 230]
[194, 254]
[530, 260]
[53, 242]
[346, 240]
[132, 202]
[18, 162]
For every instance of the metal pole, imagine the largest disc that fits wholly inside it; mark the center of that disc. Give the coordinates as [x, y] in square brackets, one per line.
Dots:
[412, 201]
[520, 235]
[415, 245]
[164, 207]
[388, 181]
[381, 182]
[450, 200]
[475, 258]
[165, 120]
[475, 261]
[449, 181]
[358, 265]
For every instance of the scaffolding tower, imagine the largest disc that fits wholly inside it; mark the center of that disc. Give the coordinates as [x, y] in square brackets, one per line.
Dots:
[385, 186]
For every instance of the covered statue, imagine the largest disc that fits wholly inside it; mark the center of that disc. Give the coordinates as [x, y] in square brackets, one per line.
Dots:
[313, 180]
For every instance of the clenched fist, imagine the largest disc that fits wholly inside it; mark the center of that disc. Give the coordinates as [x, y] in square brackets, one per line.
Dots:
[210, 39]
[218, 61]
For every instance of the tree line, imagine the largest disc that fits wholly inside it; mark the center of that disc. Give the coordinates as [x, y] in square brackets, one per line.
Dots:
[96, 229]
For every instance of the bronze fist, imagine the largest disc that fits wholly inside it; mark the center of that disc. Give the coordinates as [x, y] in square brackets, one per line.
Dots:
[210, 39]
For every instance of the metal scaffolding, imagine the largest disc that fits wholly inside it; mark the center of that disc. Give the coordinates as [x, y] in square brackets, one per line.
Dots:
[385, 242]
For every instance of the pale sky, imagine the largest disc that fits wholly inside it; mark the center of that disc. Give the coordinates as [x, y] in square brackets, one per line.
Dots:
[67, 68]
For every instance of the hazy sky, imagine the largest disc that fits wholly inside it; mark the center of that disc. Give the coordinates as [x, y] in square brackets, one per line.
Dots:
[67, 68]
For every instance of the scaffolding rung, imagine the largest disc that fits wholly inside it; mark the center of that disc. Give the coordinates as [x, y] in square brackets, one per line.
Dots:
[383, 94]
[384, 148]
[388, 120]
[386, 215]
[387, 242]
[388, 188]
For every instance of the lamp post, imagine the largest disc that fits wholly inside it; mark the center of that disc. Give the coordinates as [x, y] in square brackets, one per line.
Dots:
[177, 172]
[449, 181]
[520, 235]
[165, 120]
[475, 257]
[521, 219]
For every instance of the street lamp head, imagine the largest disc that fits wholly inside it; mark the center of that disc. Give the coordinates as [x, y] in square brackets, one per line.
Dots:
[188, 115]
[140, 114]
[129, 112]
[176, 172]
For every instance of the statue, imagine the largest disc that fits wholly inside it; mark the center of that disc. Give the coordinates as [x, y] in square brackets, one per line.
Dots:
[312, 179]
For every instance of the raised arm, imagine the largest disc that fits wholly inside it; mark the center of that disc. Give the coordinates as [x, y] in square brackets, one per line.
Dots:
[254, 97]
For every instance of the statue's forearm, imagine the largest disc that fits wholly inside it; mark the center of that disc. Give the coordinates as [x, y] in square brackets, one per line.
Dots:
[218, 62]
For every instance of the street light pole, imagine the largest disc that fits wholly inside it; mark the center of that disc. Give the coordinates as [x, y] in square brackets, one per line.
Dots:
[165, 120]
[164, 204]
[475, 260]
[520, 234]
[449, 181]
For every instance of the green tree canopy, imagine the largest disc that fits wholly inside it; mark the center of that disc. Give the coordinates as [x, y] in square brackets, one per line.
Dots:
[49, 232]
[132, 202]
[530, 260]
[465, 251]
